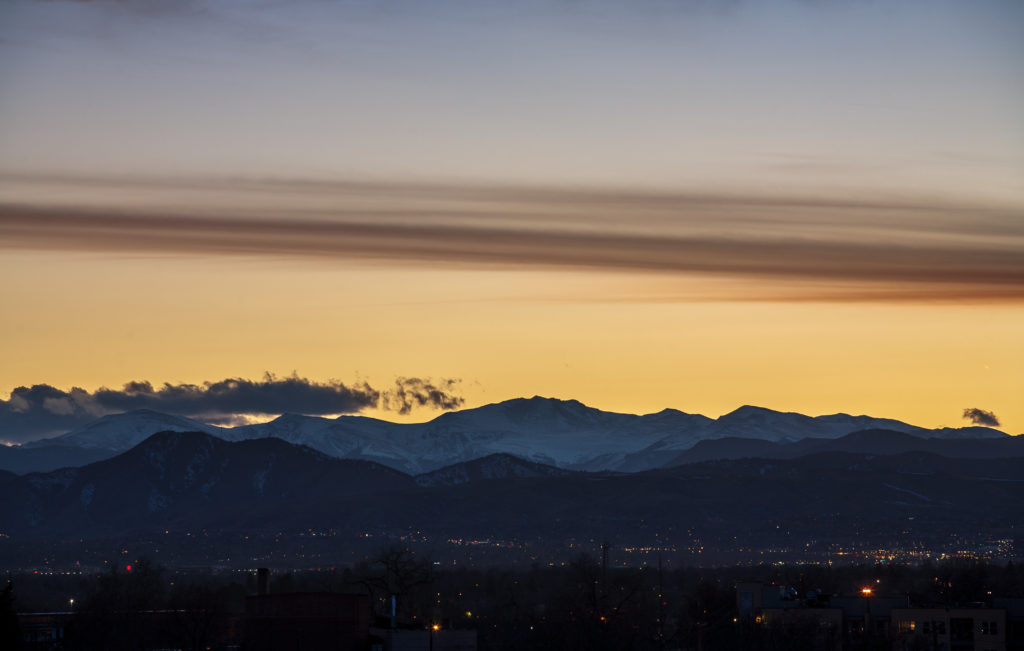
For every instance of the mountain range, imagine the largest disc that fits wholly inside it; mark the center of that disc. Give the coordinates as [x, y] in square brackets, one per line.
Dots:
[189, 481]
[561, 433]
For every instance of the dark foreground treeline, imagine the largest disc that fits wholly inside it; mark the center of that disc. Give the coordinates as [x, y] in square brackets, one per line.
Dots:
[581, 605]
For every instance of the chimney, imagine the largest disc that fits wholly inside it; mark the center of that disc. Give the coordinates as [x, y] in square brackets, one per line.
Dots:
[262, 577]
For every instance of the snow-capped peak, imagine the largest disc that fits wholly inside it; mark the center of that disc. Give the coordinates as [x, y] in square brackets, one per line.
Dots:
[120, 432]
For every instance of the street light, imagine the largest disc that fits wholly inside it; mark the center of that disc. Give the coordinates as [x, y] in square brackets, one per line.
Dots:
[435, 627]
[867, 592]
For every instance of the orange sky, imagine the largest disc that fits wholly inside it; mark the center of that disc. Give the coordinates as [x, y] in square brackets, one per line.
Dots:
[809, 206]
[614, 341]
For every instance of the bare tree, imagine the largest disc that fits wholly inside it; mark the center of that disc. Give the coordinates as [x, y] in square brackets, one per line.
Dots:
[394, 572]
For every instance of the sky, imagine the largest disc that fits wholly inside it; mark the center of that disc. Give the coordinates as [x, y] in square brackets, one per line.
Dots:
[232, 209]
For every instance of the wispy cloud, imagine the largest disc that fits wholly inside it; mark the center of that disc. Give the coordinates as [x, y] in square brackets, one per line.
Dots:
[860, 247]
[411, 393]
[981, 417]
[42, 410]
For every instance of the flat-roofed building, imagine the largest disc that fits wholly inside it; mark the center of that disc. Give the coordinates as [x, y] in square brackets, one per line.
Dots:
[954, 629]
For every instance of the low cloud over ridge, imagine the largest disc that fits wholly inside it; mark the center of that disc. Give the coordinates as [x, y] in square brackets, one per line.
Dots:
[43, 410]
[981, 417]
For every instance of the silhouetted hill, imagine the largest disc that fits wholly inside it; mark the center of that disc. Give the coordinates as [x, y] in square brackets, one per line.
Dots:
[187, 480]
[873, 441]
[190, 481]
[494, 466]
[21, 460]
[820, 495]
[731, 447]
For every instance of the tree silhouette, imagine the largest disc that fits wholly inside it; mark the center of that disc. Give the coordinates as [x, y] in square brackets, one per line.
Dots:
[10, 631]
[395, 571]
[113, 615]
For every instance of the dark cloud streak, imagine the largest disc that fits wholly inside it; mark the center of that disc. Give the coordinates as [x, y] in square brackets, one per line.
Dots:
[981, 265]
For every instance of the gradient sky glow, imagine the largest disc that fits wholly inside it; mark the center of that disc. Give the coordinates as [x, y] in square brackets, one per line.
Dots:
[805, 205]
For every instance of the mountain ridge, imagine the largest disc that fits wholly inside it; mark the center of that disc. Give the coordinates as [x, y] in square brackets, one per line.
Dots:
[871, 441]
[188, 481]
[562, 433]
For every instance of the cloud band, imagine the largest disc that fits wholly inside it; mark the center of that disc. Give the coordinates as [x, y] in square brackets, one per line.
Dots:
[43, 410]
[859, 246]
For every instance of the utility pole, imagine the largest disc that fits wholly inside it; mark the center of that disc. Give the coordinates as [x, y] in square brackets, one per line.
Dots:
[661, 606]
[605, 546]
